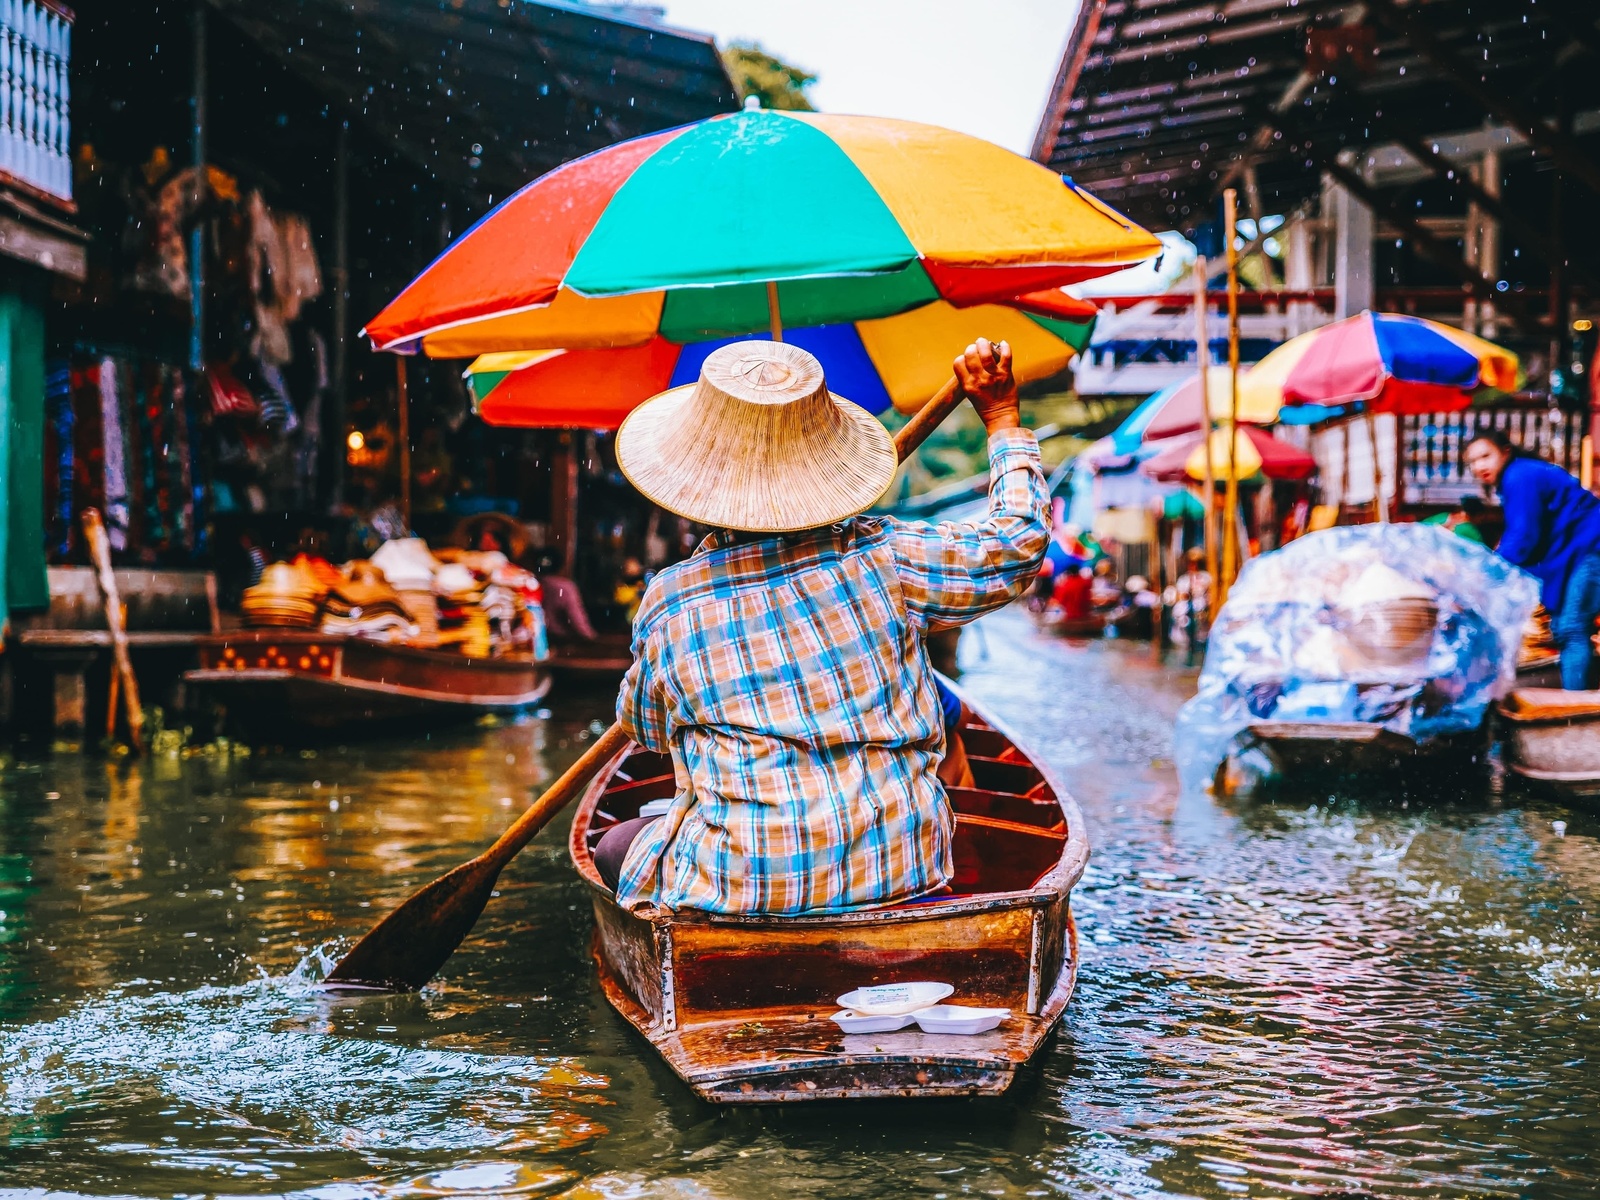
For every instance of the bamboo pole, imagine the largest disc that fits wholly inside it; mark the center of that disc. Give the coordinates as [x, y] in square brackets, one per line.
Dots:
[1230, 502]
[773, 314]
[1377, 475]
[1203, 345]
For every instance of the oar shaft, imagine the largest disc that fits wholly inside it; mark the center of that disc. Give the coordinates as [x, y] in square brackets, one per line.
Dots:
[929, 418]
[557, 796]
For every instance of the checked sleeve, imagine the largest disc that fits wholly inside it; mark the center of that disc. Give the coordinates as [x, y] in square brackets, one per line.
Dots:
[952, 573]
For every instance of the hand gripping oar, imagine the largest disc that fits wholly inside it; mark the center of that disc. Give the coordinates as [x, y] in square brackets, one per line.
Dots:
[406, 949]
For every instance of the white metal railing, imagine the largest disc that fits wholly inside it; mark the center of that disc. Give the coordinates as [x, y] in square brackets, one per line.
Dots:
[35, 48]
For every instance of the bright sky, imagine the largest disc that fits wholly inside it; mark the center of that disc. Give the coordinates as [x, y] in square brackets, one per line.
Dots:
[984, 68]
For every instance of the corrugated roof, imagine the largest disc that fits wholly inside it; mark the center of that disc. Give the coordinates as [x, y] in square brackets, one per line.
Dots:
[1158, 104]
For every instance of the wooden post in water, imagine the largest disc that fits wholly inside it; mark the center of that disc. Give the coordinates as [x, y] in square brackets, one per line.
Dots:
[1203, 343]
[1230, 503]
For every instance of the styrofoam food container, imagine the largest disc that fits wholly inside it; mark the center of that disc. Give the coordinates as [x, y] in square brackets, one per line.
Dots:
[959, 1018]
[890, 999]
[854, 1022]
[655, 808]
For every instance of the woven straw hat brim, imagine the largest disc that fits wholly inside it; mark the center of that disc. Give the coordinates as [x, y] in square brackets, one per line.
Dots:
[732, 477]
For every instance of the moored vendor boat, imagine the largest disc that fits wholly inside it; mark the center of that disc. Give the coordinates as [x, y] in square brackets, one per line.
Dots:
[287, 677]
[1357, 747]
[1552, 737]
[740, 1007]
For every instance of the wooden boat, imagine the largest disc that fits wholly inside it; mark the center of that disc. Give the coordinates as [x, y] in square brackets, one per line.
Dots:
[602, 662]
[1553, 737]
[1539, 668]
[739, 1006]
[292, 677]
[1092, 626]
[1314, 751]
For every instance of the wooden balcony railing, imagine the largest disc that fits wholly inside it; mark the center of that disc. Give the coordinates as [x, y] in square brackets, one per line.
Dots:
[35, 48]
[1435, 447]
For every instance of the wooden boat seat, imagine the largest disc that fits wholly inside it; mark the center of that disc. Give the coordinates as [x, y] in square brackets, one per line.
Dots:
[1005, 806]
[987, 743]
[1002, 856]
[643, 764]
[1000, 775]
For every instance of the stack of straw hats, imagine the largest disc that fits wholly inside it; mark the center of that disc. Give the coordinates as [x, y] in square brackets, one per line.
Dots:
[287, 596]
[463, 622]
[366, 604]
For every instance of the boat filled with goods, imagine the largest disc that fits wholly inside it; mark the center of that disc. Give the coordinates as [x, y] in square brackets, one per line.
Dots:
[409, 632]
[1358, 649]
[946, 995]
[1552, 737]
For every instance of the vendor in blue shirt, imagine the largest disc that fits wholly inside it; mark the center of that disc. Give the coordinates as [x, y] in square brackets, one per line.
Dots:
[1553, 532]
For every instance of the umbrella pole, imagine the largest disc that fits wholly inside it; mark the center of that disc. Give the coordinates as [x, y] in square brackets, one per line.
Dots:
[403, 404]
[1377, 475]
[1230, 503]
[1203, 355]
[772, 310]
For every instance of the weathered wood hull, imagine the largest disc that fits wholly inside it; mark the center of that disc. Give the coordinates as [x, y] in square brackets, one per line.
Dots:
[739, 1006]
[294, 678]
[1561, 750]
[1353, 747]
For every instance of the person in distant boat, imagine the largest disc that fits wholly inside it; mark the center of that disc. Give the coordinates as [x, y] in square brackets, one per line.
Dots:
[1188, 599]
[565, 617]
[1552, 531]
[782, 665]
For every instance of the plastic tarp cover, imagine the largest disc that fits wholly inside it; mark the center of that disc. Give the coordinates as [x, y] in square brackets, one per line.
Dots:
[1285, 647]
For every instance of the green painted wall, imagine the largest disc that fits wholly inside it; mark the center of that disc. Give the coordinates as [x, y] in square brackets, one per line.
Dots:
[22, 455]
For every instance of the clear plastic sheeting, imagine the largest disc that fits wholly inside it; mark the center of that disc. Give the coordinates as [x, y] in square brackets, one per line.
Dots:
[1405, 626]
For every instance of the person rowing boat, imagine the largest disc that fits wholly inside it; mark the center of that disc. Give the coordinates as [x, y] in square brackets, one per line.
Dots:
[782, 665]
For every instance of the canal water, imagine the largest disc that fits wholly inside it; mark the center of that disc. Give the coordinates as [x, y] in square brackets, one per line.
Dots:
[1323, 994]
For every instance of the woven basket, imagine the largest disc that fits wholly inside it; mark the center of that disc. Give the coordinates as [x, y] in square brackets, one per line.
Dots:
[1394, 633]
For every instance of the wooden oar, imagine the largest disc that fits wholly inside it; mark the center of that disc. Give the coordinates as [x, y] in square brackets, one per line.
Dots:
[406, 949]
[94, 531]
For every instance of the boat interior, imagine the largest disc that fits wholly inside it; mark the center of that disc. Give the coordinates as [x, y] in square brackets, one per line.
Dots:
[1009, 826]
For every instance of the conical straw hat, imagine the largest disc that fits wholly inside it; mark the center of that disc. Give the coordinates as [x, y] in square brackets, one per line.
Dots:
[758, 444]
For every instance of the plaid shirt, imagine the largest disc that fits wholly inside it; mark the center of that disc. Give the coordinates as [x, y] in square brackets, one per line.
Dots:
[786, 675]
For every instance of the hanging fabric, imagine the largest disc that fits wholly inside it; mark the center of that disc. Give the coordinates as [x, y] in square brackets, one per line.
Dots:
[113, 432]
[61, 481]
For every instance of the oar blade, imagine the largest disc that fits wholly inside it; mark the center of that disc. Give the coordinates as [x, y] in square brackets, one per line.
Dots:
[405, 950]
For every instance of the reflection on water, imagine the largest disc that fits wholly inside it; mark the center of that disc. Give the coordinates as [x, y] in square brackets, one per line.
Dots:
[1375, 995]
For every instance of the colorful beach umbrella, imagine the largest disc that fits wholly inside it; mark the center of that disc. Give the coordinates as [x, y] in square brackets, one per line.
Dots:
[691, 234]
[1175, 410]
[1385, 362]
[1182, 411]
[894, 361]
[1182, 460]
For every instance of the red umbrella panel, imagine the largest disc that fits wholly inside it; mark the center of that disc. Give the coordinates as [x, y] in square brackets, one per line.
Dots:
[1279, 460]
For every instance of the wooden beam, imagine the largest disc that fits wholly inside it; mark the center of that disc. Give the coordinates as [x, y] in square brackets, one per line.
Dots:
[1424, 241]
[1066, 82]
[1456, 175]
[1567, 154]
